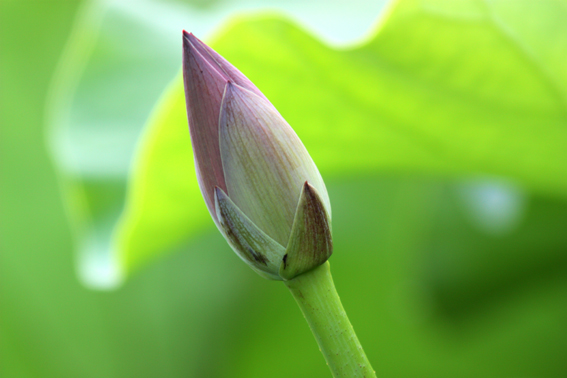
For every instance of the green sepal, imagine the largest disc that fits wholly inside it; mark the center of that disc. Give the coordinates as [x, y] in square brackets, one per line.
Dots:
[254, 246]
[310, 243]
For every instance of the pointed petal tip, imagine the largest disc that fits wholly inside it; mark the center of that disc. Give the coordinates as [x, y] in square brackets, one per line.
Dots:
[229, 89]
[195, 58]
[190, 38]
[187, 46]
[190, 41]
[218, 196]
[310, 189]
[218, 193]
[233, 89]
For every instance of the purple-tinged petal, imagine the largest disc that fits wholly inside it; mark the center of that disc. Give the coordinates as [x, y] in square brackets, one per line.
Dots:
[310, 243]
[204, 87]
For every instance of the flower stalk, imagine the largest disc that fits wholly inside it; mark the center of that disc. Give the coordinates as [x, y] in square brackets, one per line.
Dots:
[317, 297]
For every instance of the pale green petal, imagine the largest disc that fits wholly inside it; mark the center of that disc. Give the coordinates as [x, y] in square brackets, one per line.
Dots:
[265, 164]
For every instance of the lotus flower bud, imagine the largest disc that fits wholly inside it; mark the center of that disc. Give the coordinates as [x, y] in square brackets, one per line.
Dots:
[260, 185]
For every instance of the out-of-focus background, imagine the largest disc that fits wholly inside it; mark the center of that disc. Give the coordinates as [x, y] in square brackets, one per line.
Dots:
[439, 126]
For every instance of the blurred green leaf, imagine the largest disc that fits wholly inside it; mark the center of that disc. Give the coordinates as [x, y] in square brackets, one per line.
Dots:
[154, 189]
[471, 268]
[103, 91]
[443, 87]
[450, 298]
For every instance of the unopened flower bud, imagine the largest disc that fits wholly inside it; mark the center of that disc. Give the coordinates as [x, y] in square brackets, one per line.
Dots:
[260, 185]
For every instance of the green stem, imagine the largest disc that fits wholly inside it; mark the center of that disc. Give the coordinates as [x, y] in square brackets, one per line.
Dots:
[317, 297]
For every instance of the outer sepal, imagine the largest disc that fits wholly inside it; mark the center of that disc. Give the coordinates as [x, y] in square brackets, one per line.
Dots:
[250, 243]
[310, 243]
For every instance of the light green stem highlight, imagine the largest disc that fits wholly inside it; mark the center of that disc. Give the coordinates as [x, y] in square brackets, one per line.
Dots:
[317, 297]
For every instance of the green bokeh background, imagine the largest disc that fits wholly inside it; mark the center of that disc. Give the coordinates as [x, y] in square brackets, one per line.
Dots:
[432, 289]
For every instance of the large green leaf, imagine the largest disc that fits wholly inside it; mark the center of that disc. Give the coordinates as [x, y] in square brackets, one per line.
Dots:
[445, 87]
